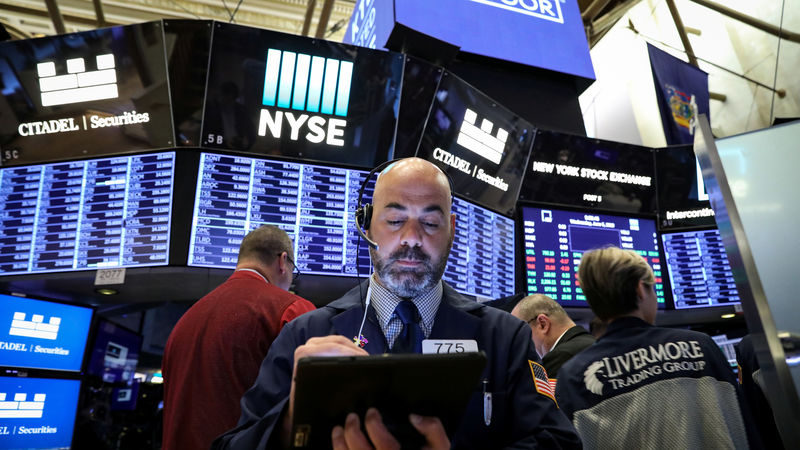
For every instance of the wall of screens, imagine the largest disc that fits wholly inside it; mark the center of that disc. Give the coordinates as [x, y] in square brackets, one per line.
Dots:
[315, 204]
[699, 272]
[100, 213]
[554, 241]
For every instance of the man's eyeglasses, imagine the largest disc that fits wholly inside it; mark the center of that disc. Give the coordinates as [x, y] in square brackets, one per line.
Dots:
[296, 272]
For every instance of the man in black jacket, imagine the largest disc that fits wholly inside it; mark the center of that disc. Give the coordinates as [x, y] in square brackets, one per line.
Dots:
[554, 334]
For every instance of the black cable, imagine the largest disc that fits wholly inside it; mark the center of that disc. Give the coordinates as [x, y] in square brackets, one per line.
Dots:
[236, 10]
[777, 64]
[227, 9]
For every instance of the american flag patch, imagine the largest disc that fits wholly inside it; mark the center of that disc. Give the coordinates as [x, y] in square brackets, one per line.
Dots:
[544, 385]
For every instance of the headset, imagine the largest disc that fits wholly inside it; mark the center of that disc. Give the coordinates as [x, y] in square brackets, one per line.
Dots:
[363, 214]
[363, 218]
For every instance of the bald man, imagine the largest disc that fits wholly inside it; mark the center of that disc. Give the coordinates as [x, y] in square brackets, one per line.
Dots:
[413, 227]
[554, 334]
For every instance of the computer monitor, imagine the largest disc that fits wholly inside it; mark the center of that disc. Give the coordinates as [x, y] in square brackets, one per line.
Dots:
[483, 146]
[698, 268]
[115, 352]
[554, 241]
[84, 94]
[85, 215]
[39, 334]
[728, 347]
[315, 205]
[590, 173]
[682, 198]
[38, 413]
[272, 93]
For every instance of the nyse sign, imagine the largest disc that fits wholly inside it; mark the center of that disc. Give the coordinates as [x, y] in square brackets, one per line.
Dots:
[313, 84]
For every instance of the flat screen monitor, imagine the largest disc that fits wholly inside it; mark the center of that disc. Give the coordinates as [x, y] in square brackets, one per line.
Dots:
[698, 268]
[272, 93]
[682, 197]
[481, 260]
[315, 204]
[728, 347]
[38, 334]
[38, 413]
[84, 94]
[544, 33]
[554, 241]
[115, 352]
[483, 146]
[83, 215]
[583, 172]
[123, 398]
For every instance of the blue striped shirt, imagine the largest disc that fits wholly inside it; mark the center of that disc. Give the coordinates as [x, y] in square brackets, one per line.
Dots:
[385, 303]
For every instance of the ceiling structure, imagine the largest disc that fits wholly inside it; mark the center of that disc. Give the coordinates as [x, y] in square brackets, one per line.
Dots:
[29, 18]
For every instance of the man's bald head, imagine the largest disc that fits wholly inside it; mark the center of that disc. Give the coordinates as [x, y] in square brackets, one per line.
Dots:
[413, 174]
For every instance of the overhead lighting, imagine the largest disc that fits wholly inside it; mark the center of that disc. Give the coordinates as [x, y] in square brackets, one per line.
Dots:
[106, 291]
[728, 316]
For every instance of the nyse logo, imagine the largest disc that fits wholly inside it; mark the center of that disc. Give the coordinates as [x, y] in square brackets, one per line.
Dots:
[543, 9]
[312, 84]
[36, 327]
[78, 85]
[20, 407]
[480, 140]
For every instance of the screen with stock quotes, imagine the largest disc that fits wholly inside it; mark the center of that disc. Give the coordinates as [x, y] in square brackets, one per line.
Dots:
[555, 240]
[83, 215]
[699, 272]
[315, 205]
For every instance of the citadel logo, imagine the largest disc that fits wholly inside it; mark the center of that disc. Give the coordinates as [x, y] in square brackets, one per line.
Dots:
[36, 327]
[20, 408]
[78, 85]
[543, 9]
[480, 140]
[306, 83]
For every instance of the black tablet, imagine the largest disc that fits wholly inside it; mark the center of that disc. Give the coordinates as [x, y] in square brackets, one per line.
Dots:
[328, 388]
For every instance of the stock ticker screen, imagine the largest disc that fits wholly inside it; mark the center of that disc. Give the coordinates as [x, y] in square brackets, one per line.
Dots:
[699, 272]
[315, 205]
[92, 214]
[555, 240]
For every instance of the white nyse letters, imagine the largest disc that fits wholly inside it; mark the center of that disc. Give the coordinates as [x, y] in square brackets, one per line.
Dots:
[317, 131]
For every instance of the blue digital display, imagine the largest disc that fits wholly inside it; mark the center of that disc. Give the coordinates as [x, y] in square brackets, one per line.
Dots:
[37, 412]
[315, 205]
[555, 240]
[37, 334]
[85, 215]
[541, 33]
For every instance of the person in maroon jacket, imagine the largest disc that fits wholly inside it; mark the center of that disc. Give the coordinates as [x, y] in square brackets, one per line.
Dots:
[215, 350]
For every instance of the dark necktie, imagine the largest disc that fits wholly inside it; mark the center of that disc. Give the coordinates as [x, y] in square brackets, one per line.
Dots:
[410, 338]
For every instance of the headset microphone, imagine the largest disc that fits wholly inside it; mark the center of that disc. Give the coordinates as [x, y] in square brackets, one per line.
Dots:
[363, 218]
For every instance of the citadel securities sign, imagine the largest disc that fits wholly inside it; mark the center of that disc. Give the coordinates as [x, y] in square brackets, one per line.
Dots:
[84, 94]
[37, 412]
[42, 335]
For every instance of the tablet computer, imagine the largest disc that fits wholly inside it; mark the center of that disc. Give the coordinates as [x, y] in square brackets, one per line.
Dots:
[328, 388]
